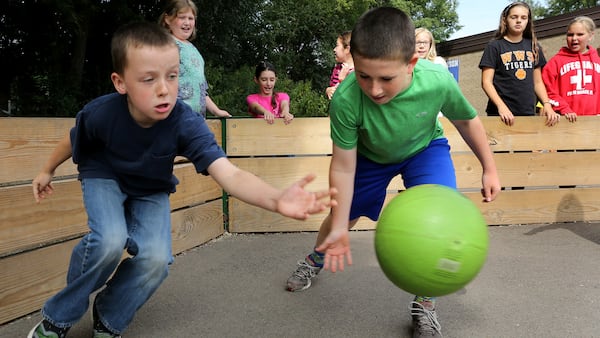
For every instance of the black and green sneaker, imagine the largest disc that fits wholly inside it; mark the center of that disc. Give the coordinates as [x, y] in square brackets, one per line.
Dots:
[101, 331]
[45, 329]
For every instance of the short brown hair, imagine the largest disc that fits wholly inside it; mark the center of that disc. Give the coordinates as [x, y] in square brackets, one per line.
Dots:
[136, 35]
[384, 33]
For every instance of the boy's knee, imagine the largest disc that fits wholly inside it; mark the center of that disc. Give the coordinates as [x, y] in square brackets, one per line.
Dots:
[111, 248]
[155, 265]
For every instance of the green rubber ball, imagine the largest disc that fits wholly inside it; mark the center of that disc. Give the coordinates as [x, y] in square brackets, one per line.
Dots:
[431, 240]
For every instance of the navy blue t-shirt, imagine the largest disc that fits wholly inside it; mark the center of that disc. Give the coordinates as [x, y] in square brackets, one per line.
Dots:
[108, 143]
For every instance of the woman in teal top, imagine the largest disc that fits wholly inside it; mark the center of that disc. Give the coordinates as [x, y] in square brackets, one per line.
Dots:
[179, 18]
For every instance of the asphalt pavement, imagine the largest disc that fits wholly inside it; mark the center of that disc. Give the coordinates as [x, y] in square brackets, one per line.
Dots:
[538, 281]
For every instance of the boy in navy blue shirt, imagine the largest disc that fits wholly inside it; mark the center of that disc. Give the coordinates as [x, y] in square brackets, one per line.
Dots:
[124, 145]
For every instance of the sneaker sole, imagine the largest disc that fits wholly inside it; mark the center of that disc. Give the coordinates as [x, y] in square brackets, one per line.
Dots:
[291, 289]
[30, 335]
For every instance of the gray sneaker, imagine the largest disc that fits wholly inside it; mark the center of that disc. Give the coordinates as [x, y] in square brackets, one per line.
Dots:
[425, 321]
[300, 279]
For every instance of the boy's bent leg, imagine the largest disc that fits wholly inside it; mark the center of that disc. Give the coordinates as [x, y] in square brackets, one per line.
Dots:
[138, 277]
[95, 257]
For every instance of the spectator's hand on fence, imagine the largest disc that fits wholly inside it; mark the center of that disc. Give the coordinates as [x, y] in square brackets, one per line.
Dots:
[552, 117]
[42, 186]
[222, 113]
[571, 117]
[269, 117]
[287, 118]
[506, 116]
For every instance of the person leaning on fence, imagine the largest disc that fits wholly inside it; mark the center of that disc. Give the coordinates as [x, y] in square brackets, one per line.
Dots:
[383, 124]
[268, 104]
[511, 68]
[179, 18]
[344, 64]
[124, 145]
[572, 76]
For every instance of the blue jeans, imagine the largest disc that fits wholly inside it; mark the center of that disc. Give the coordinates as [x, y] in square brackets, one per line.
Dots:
[142, 226]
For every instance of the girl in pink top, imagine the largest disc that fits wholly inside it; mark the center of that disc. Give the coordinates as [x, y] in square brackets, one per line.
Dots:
[267, 104]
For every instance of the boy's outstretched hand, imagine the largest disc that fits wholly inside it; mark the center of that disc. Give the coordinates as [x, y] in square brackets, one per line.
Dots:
[296, 202]
[336, 247]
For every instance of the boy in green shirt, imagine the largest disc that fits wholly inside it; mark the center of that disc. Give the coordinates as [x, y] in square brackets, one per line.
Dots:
[384, 123]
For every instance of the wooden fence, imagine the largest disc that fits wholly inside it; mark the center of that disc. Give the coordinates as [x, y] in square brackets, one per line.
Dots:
[550, 174]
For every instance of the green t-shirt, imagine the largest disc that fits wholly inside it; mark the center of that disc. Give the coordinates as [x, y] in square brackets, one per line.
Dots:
[397, 130]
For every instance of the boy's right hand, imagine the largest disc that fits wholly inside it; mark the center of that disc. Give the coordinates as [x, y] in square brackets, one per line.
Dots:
[42, 186]
[336, 247]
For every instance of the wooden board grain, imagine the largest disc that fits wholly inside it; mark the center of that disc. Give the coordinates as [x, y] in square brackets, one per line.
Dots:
[29, 279]
[254, 137]
[26, 144]
[196, 225]
[531, 134]
[25, 225]
[281, 172]
[540, 206]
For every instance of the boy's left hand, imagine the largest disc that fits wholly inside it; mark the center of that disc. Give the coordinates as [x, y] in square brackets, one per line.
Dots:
[296, 202]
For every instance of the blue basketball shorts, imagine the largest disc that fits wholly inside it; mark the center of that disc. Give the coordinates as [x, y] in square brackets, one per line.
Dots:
[433, 165]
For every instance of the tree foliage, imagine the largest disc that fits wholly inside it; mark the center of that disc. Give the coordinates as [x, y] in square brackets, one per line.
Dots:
[557, 7]
[55, 69]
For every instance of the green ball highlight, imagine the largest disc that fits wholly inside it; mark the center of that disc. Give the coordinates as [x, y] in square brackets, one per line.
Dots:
[431, 240]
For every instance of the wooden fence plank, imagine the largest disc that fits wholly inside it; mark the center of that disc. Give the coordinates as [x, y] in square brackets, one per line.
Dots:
[254, 137]
[26, 144]
[283, 171]
[530, 133]
[549, 169]
[196, 225]
[511, 207]
[25, 225]
[193, 188]
[541, 206]
[29, 279]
